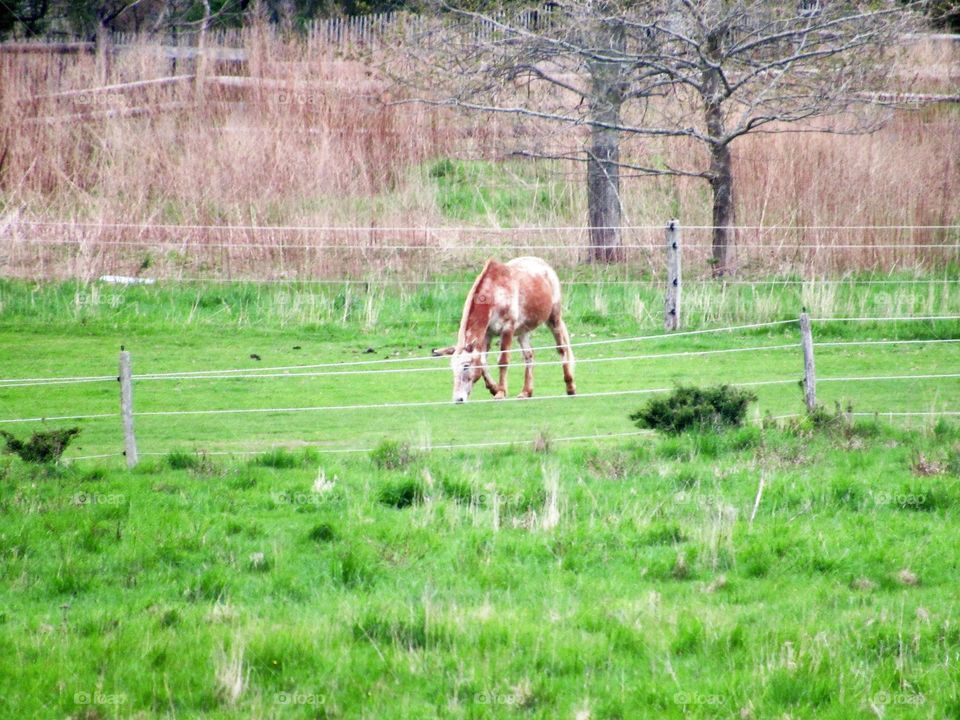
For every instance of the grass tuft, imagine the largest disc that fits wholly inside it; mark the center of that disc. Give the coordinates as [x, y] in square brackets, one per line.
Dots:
[392, 455]
[402, 493]
[323, 533]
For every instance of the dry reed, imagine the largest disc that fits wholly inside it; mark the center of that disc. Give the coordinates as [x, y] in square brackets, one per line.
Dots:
[305, 138]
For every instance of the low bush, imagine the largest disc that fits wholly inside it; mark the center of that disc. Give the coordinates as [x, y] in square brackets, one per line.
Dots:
[42, 447]
[693, 408]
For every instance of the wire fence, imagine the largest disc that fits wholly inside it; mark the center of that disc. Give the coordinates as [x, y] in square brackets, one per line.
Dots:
[283, 371]
[397, 254]
[254, 373]
[316, 447]
[567, 398]
[378, 229]
[438, 403]
[649, 281]
[333, 368]
[183, 374]
[336, 254]
[454, 249]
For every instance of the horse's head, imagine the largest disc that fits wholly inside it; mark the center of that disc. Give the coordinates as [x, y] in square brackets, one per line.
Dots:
[467, 365]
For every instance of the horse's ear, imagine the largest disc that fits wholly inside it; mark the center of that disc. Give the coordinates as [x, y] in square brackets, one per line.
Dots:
[439, 352]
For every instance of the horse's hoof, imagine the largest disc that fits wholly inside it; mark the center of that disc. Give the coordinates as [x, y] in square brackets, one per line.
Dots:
[500, 395]
[572, 390]
[524, 395]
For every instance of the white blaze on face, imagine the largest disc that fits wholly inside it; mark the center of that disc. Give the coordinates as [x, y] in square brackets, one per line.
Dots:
[466, 371]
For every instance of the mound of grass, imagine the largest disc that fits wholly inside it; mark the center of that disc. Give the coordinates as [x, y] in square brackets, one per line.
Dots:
[181, 460]
[402, 493]
[279, 458]
[197, 463]
[354, 567]
[323, 533]
[663, 534]
[43, 446]
[461, 492]
[392, 455]
[693, 408]
[412, 631]
[510, 192]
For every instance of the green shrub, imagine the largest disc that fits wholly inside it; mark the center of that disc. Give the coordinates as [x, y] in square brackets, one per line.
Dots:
[693, 408]
[42, 447]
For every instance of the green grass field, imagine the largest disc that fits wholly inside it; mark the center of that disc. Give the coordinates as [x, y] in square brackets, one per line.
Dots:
[617, 578]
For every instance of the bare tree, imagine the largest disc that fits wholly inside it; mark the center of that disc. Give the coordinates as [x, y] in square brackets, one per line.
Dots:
[705, 72]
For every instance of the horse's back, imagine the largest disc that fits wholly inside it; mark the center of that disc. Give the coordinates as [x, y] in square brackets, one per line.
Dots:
[538, 290]
[533, 272]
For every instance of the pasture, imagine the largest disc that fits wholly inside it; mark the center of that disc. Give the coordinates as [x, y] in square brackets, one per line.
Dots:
[314, 530]
[313, 570]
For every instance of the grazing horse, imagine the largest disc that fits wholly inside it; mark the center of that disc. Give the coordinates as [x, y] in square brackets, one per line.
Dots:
[507, 300]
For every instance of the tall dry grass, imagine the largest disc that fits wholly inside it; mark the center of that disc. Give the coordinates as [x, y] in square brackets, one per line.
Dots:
[317, 143]
[313, 136]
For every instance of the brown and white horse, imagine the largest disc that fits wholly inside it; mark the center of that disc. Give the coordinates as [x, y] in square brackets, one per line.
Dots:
[507, 300]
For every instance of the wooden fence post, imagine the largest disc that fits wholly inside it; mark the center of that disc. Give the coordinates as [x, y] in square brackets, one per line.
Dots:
[200, 69]
[126, 408]
[671, 310]
[809, 374]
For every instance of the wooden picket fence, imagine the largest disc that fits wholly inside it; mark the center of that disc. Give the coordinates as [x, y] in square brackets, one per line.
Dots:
[334, 34]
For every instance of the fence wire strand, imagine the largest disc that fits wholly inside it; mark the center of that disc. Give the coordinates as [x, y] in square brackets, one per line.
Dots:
[280, 371]
[610, 393]
[353, 247]
[374, 229]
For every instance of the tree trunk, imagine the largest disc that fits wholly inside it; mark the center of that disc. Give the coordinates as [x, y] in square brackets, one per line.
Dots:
[724, 219]
[603, 196]
[603, 163]
[721, 165]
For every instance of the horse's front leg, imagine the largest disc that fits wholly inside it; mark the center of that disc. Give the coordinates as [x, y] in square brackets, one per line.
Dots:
[485, 371]
[505, 340]
[562, 336]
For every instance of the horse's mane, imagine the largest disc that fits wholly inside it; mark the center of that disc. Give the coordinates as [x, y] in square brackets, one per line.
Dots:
[468, 304]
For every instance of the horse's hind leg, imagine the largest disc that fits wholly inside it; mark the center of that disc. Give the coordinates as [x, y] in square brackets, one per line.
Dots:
[527, 367]
[559, 329]
[506, 338]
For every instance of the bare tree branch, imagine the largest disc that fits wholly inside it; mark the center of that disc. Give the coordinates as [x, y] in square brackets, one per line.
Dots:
[705, 72]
